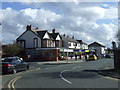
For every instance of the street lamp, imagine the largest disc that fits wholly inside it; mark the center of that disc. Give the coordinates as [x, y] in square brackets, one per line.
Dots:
[114, 51]
[114, 45]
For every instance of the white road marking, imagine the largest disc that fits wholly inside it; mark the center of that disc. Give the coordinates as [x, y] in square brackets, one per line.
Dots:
[110, 78]
[38, 69]
[63, 77]
[65, 71]
[76, 67]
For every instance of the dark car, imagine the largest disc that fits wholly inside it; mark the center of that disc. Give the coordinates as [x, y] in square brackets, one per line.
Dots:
[107, 56]
[13, 65]
[102, 55]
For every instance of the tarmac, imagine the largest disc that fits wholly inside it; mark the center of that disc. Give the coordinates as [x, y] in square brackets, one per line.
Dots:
[108, 71]
[63, 61]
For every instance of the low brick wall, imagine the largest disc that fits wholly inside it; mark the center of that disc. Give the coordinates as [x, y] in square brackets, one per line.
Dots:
[117, 59]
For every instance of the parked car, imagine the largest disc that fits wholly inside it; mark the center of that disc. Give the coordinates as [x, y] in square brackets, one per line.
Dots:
[107, 56]
[1, 59]
[92, 57]
[102, 55]
[13, 65]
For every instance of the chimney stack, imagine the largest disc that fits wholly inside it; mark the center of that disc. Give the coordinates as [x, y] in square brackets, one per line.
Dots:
[64, 35]
[73, 37]
[53, 31]
[36, 28]
[29, 27]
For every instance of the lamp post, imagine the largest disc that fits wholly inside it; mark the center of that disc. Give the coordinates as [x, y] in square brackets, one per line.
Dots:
[114, 45]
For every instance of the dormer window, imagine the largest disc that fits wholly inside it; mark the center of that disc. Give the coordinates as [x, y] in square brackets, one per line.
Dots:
[69, 43]
[75, 44]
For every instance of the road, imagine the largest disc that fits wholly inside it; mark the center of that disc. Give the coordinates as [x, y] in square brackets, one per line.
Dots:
[67, 75]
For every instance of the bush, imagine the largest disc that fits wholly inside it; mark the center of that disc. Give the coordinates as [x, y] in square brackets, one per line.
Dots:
[12, 50]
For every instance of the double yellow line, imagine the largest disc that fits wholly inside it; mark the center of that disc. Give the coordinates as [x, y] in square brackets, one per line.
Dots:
[11, 83]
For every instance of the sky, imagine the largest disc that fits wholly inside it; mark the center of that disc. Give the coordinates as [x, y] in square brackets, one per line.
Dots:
[87, 21]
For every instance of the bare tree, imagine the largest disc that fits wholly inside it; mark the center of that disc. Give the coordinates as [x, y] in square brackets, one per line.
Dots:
[118, 37]
[12, 50]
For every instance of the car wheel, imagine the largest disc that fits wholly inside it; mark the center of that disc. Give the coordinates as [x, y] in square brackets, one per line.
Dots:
[27, 67]
[14, 71]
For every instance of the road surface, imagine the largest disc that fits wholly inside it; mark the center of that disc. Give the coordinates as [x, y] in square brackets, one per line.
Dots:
[67, 75]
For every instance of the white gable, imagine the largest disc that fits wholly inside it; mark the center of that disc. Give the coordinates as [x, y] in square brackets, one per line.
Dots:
[46, 36]
[58, 37]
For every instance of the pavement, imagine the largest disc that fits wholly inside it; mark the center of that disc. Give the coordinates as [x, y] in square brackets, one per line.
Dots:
[60, 61]
[110, 72]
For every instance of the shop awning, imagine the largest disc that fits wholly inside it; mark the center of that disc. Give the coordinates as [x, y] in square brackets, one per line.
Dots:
[87, 51]
[68, 50]
[77, 50]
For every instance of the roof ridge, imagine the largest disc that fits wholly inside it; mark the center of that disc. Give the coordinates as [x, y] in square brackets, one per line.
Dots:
[97, 43]
[42, 30]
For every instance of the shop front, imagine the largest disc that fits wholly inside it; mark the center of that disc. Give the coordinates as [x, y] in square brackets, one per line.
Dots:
[49, 54]
[65, 53]
[81, 53]
[53, 54]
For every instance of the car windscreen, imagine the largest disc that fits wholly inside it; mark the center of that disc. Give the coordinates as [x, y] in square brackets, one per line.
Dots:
[7, 60]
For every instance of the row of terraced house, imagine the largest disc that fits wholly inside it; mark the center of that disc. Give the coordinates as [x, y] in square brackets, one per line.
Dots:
[43, 45]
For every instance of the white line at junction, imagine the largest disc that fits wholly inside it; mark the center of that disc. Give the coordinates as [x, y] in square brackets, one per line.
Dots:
[63, 77]
[61, 74]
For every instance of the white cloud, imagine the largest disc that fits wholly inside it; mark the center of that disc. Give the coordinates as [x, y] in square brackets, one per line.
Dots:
[111, 13]
[14, 22]
[69, 18]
